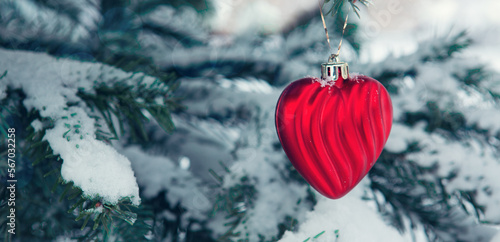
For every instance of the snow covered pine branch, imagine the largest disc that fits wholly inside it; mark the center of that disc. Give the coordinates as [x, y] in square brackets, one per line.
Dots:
[78, 128]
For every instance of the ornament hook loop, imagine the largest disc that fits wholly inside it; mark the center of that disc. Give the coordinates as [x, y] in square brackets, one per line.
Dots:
[333, 58]
[333, 69]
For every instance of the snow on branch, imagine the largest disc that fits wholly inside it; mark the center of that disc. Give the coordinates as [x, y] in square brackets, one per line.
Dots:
[97, 168]
[51, 87]
[157, 173]
[348, 219]
[69, 22]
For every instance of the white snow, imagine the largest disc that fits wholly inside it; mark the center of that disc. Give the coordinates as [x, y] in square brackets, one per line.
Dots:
[157, 173]
[476, 164]
[270, 208]
[396, 27]
[388, 26]
[496, 238]
[240, 16]
[33, 21]
[96, 210]
[399, 138]
[3, 91]
[94, 166]
[246, 85]
[485, 118]
[37, 125]
[354, 219]
[323, 82]
[184, 162]
[473, 159]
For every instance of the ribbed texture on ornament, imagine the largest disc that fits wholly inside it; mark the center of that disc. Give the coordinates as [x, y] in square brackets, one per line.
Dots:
[332, 135]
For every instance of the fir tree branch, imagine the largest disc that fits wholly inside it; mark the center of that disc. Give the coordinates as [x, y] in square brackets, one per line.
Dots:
[126, 103]
[234, 201]
[337, 6]
[48, 182]
[446, 47]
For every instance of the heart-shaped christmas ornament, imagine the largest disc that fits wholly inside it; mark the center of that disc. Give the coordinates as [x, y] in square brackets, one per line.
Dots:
[333, 129]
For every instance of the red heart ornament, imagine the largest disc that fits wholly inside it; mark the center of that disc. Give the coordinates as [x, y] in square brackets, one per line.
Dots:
[333, 134]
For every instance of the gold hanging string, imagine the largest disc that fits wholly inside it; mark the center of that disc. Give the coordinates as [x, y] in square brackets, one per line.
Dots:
[324, 25]
[343, 30]
[326, 30]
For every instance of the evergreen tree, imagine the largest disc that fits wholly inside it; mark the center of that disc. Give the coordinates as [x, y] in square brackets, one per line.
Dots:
[133, 121]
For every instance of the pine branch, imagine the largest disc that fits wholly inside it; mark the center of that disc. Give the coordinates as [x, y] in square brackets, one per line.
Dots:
[337, 6]
[443, 49]
[396, 178]
[33, 202]
[438, 50]
[472, 76]
[127, 104]
[420, 194]
[39, 155]
[437, 119]
[234, 202]
[70, 192]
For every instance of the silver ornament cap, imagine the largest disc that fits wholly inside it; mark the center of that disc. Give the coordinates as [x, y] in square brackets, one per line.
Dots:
[331, 70]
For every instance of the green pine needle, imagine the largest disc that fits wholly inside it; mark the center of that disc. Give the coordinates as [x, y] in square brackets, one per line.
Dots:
[96, 221]
[66, 190]
[337, 5]
[80, 216]
[316, 236]
[75, 194]
[215, 176]
[3, 75]
[80, 202]
[85, 222]
[50, 172]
